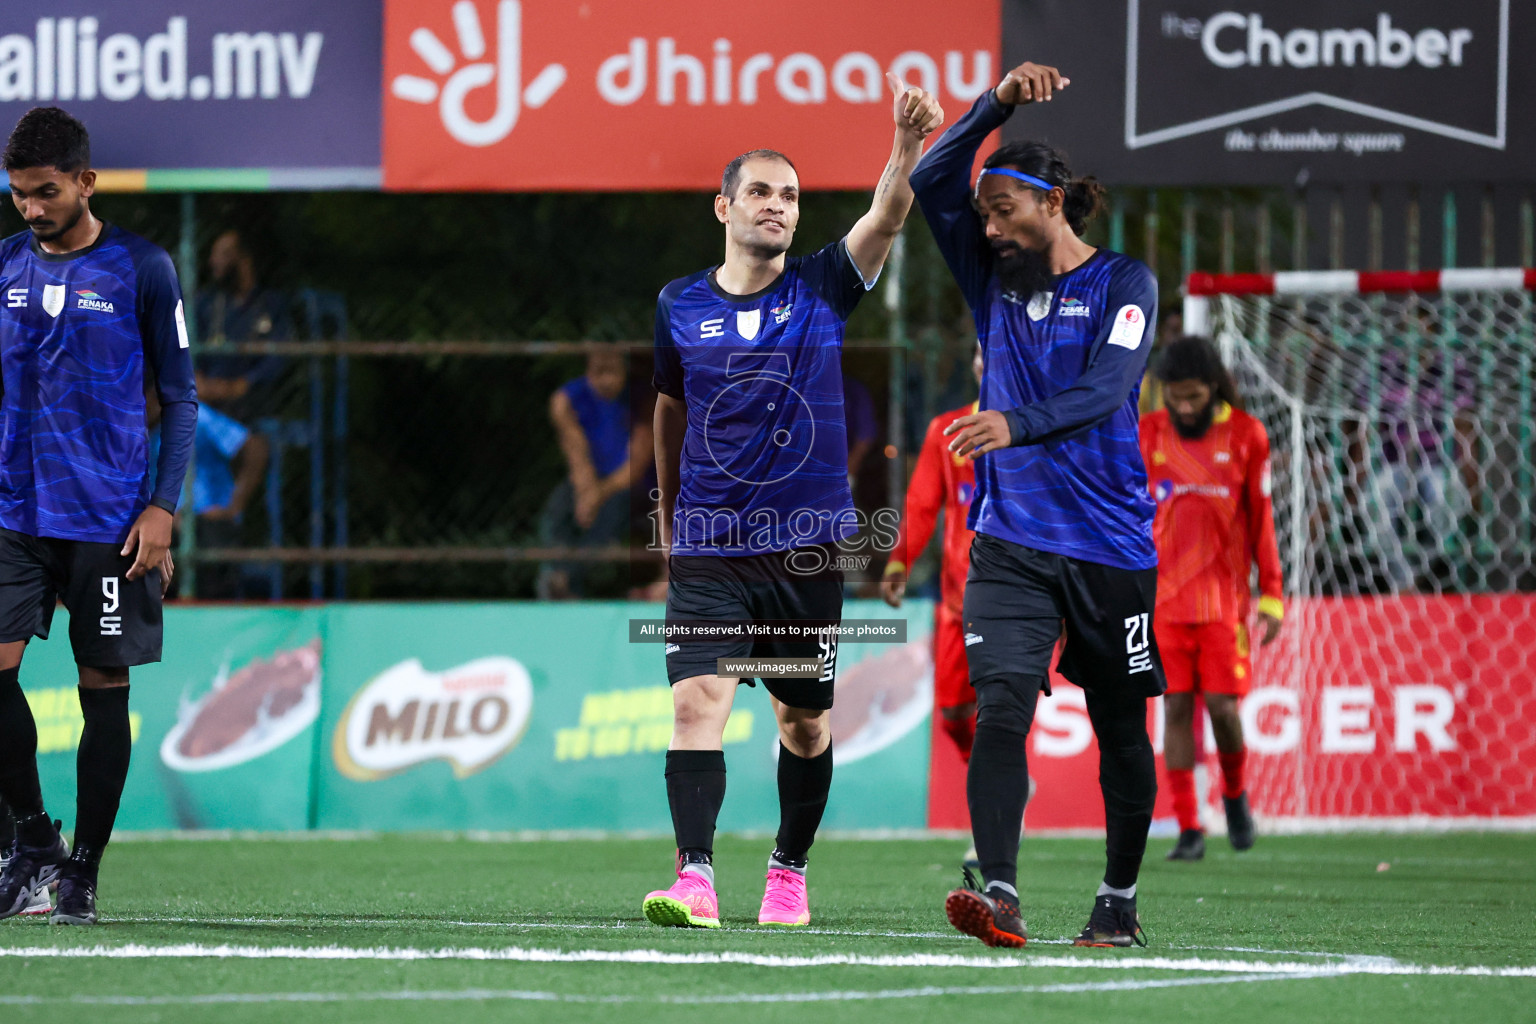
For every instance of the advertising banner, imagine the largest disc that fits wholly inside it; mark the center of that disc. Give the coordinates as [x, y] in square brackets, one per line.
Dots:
[530, 716]
[223, 728]
[1366, 708]
[445, 716]
[278, 85]
[609, 95]
[1270, 92]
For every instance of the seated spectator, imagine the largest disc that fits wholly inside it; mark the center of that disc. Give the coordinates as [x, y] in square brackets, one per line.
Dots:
[236, 308]
[228, 463]
[604, 458]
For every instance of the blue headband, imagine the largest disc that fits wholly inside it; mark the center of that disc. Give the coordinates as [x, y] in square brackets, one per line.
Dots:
[1028, 179]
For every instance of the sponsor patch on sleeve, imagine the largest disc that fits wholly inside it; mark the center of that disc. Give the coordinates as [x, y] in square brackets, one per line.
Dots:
[1130, 327]
[181, 324]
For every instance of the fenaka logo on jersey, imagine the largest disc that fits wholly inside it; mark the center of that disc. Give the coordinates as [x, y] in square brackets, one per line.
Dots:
[1074, 307]
[87, 299]
[469, 716]
[782, 312]
[1215, 66]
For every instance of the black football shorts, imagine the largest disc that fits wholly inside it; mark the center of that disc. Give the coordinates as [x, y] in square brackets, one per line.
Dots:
[786, 586]
[113, 621]
[1018, 599]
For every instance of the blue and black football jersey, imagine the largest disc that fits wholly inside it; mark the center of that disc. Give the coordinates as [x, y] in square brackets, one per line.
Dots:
[765, 458]
[80, 333]
[1063, 366]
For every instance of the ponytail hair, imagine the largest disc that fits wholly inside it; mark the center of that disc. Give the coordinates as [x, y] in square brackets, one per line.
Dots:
[1084, 196]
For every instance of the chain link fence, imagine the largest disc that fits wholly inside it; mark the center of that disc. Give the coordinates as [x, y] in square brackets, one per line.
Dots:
[384, 364]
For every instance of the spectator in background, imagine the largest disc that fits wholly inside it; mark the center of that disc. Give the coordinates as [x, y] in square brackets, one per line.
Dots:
[863, 425]
[604, 457]
[1420, 469]
[1169, 328]
[236, 308]
[228, 464]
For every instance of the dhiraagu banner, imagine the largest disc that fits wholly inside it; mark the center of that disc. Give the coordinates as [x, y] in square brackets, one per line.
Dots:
[529, 716]
[223, 728]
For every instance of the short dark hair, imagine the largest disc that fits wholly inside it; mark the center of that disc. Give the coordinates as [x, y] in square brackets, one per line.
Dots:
[1084, 196]
[48, 137]
[731, 179]
[1195, 358]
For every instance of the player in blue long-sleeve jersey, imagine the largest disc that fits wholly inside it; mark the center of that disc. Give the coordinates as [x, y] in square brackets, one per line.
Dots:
[91, 316]
[1062, 517]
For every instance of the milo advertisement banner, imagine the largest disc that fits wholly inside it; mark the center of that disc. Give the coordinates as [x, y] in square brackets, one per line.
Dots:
[223, 728]
[474, 716]
[546, 717]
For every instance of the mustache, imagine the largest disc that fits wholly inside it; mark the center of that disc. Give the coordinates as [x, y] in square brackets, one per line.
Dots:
[1008, 249]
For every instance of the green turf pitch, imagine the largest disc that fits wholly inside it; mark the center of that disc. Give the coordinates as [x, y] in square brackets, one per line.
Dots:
[1299, 929]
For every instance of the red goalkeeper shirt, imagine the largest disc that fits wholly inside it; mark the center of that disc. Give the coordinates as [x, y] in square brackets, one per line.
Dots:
[945, 481]
[1214, 518]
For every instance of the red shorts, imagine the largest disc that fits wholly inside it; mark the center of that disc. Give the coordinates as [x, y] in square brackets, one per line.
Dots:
[1205, 657]
[951, 677]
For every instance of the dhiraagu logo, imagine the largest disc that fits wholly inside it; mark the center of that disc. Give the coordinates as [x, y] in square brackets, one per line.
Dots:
[455, 76]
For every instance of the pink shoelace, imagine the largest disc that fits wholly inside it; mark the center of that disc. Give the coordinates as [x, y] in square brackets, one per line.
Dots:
[788, 892]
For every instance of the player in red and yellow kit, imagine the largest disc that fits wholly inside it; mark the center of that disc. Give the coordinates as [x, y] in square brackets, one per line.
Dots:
[1208, 468]
[945, 481]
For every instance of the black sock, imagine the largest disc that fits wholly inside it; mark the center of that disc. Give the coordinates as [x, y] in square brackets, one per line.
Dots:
[695, 791]
[1128, 779]
[101, 766]
[997, 781]
[7, 826]
[18, 749]
[804, 783]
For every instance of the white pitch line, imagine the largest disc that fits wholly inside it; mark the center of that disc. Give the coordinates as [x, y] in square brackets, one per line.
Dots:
[518, 954]
[626, 926]
[523, 995]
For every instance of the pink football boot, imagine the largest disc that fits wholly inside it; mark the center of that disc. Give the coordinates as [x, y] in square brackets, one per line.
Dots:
[690, 903]
[784, 899]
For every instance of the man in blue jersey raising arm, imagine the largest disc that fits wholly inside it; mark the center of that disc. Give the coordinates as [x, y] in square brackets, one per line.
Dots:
[91, 315]
[1062, 516]
[752, 463]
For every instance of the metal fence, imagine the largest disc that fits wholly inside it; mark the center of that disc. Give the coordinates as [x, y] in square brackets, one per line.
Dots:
[402, 385]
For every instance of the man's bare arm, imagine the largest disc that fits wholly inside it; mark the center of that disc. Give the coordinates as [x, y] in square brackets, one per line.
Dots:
[670, 424]
[917, 115]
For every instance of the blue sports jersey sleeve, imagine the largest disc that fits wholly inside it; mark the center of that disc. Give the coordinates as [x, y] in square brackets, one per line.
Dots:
[1117, 360]
[941, 182]
[162, 325]
[835, 278]
[667, 377]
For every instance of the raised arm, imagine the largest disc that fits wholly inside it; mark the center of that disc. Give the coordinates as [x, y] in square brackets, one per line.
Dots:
[942, 178]
[917, 115]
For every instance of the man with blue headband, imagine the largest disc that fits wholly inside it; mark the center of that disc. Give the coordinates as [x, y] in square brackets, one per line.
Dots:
[1062, 516]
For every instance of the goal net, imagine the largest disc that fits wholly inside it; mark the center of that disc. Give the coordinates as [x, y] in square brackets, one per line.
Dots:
[1403, 448]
